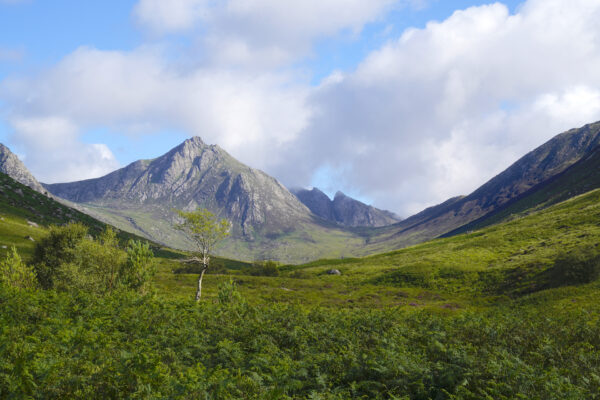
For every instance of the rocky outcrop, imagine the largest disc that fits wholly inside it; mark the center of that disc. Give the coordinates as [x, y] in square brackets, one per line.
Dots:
[344, 210]
[193, 175]
[13, 167]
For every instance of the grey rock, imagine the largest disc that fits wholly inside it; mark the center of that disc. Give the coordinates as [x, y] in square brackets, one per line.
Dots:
[344, 210]
[33, 224]
[13, 167]
[334, 272]
[30, 238]
[194, 175]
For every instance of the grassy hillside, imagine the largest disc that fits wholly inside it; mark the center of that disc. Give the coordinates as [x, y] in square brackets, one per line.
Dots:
[25, 215]
[504, 261]
[484, 315]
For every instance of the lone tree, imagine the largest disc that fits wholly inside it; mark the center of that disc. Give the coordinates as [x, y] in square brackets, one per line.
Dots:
[205, 230]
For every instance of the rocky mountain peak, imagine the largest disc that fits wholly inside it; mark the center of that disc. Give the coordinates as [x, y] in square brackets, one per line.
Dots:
[344, 210]
[13, 167]
[339, 195]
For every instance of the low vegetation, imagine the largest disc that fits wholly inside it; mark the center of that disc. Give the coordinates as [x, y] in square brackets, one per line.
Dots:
[507, 312]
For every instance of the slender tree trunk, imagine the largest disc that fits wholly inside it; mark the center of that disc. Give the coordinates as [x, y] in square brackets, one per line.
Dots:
[199, 290]
[205, 260]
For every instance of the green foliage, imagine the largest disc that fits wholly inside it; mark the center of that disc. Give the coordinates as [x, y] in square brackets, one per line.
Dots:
[265, 268]
[203, 228]
[578, 266]
[61, 345]
[139, 267]
[68, 259]
[56, 249]
[228, 293]
[14, 272]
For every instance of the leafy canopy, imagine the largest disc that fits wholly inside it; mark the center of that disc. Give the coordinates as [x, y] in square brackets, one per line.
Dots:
[14, 272]
[204, 228]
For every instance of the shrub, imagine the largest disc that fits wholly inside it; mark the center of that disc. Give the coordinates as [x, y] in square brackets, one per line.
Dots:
[14, 272]
[581, 265]
[265, 268]
[56, 249]
[69, 259]
[228, 293]
[139, 268]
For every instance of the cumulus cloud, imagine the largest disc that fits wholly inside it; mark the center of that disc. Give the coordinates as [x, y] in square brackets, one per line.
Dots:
[251, 115]
[264, 32]
[437, 111]
[429, 115]
[54, 152]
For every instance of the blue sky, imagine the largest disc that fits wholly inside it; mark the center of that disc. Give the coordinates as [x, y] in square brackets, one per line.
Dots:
[43, 32]
[330, 93]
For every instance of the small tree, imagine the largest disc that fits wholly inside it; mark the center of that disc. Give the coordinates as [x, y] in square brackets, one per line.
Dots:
[14, 272]
[139, 268]
[205, 230]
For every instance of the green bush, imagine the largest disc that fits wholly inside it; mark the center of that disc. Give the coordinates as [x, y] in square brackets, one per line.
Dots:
[14, 272]
[580, 265]
[56, 249]
[265, 268]
[139, 267]
[228, 293]
[69, 259]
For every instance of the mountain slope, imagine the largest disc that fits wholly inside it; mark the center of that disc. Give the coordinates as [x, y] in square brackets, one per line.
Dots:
[13, 167]
[541, 164]
[579, 178]
[344, 210]
[268, 221]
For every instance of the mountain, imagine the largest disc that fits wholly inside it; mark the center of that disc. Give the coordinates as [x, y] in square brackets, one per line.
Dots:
[543, 163]
[268, 221]
[13, 167]
[579, 178]
[344, 210]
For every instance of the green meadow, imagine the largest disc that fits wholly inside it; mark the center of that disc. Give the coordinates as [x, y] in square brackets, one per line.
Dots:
[506, 312]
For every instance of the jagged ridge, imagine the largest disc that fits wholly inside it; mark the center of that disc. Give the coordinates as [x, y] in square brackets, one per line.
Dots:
[13, 167]
[344, 210]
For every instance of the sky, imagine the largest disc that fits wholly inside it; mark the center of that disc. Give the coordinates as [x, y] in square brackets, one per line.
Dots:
[399, 103]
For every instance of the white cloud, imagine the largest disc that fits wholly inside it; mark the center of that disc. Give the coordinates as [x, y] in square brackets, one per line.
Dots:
[263, 32]
[54, 153]
[430, 115]
[251, 115]
[438, 111]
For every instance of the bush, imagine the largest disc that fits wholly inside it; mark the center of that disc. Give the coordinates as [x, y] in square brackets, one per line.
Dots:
[68, 258]
[228, 293]
[581, 265]
[14, 272]
[265, 268]
[56, 249]
[139, 268]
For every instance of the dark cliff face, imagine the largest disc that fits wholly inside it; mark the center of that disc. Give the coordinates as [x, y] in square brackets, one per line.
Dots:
[193, 175]
[351, 212]
[317, 202]
[13, 167]
[344, 210]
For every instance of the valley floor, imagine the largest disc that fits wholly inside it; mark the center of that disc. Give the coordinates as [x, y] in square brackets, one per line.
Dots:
[507, 312]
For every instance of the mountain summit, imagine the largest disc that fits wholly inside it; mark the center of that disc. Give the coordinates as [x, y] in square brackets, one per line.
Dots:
[13, 167]
[193, 175]
[344, 210]
[267, 220]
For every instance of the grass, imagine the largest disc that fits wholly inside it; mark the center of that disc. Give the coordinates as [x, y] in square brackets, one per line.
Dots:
[473, 316]
[498, 263]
